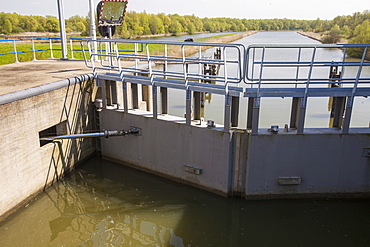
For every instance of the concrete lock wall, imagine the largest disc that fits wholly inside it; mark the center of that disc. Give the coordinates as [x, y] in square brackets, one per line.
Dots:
[321, 161]
[189, 154]
[239, 163]
[26, 167]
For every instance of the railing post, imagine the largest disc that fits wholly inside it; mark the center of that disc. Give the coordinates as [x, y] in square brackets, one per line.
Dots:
[15, 52]
[51, 49]
[71, 46]
[33, 49]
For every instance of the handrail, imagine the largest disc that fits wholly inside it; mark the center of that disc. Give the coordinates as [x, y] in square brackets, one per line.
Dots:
[112, 59]
[302, 65]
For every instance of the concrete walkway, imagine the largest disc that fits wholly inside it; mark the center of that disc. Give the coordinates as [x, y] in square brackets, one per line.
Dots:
[20, 76]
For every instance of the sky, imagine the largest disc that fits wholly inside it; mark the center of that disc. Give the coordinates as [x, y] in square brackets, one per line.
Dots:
[248, 9]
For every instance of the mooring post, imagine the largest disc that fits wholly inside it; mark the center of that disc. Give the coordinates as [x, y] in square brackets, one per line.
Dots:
[294, 112]
[188, 107]
[164, 90]
[337, 112]
[164, 100]
[124, 92]
[347, 116]
[197, 105]
[135, 96]
[250, 112]
[227, 114]
[154, 101]
[234, 111]
[104, 93]
[301, 115]
[253, 114]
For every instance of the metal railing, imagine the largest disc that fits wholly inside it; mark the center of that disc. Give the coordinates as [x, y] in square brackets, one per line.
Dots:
[302, 71]
[32, 50]
[184, 67]
[267, 70]
[32, 47]
[304, 65]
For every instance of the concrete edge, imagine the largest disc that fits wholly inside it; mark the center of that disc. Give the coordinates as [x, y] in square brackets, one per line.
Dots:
[29, 92]
[34, 195]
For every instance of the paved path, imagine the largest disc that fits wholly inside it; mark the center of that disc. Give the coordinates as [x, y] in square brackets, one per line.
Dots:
[19, 76]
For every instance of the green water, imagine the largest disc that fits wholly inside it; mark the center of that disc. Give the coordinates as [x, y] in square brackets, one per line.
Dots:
[106, 204]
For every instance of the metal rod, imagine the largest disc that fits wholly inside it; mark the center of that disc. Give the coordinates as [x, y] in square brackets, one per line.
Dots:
[63, 35]
[105, 133]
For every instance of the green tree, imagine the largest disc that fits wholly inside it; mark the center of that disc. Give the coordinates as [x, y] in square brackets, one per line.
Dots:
[333, 36]
[191, 28]
[175, 28]
[8, 27]
[361, 35]
[52, 24]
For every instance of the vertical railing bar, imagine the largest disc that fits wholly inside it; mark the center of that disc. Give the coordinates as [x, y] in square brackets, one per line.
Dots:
[51, 49]
[343, 67]
[71, 48]
[299, 60]
[310, 72]
[136, 60]
[33, 49]
[350, 100]
[15, 52]
[261, 71]
[188, 92]
[227, 112]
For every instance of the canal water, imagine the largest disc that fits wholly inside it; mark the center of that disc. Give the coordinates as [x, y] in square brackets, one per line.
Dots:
[276, 111]
[103, 203]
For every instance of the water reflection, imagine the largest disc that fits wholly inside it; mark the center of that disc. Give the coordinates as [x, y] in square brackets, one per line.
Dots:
[106, 204]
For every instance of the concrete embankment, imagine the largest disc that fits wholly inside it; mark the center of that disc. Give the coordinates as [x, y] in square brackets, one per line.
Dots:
[31, 108]
[312, 35]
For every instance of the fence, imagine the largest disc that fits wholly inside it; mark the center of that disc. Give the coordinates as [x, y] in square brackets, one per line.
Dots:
[47, 44]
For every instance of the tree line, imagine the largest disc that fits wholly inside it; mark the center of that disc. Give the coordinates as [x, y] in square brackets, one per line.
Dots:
[354, 27]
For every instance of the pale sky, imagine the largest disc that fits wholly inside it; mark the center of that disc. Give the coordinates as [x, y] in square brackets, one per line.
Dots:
[256, 9]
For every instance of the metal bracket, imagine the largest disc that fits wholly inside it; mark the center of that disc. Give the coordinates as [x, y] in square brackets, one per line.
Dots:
[366, 153]
[289, 180]
[193, 169]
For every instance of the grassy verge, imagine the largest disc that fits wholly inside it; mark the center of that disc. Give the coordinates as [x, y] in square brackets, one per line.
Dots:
[154, 49]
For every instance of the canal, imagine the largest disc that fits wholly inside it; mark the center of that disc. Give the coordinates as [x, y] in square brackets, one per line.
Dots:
[102, 203]
[105, 204]
[276, 111]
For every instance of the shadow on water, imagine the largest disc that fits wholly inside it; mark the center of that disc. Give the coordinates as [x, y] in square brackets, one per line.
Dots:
[107, 204]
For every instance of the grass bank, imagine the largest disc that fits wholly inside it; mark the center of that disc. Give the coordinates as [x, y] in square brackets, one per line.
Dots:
[44, 52]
